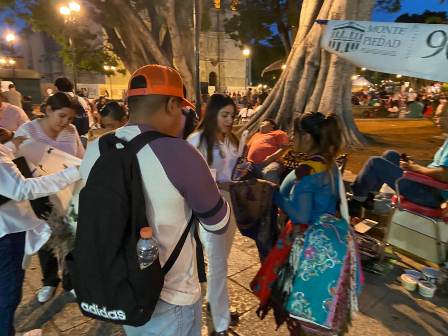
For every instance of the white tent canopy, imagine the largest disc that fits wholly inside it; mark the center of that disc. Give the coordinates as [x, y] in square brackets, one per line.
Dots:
[360, 81]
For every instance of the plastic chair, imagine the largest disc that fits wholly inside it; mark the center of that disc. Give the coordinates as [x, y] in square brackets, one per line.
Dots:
[417, 229]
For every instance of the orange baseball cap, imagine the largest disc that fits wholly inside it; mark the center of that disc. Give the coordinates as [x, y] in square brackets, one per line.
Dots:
[154, 79]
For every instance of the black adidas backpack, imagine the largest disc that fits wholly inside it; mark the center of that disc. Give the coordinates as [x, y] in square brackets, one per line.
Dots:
[108, 282]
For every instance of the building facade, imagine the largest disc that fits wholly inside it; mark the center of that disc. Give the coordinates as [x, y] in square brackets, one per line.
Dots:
[222, 63]
[223, 67]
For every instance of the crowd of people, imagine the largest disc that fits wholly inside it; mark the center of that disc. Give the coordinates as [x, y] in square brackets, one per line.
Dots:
[193, 175]
[400, 102]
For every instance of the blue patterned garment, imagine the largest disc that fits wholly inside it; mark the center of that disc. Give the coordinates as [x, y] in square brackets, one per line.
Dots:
[327, 275]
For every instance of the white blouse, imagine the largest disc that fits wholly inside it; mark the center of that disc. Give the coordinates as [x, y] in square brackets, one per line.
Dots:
[17, 214]
[225, 156]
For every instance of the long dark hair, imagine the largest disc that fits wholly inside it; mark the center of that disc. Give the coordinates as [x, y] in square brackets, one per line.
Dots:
[209, 125]
[325, 131]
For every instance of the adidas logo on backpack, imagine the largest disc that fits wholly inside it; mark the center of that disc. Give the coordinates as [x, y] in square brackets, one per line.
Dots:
[103, 312]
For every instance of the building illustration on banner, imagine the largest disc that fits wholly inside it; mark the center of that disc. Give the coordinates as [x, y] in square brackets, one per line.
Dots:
[347, 37]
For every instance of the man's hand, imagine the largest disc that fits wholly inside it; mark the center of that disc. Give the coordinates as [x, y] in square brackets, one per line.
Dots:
[269, 159]
[410, 166]
[17, 141]
[5, 135]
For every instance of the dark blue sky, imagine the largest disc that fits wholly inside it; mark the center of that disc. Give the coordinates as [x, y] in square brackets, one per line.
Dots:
[407, 6]
[411, 6]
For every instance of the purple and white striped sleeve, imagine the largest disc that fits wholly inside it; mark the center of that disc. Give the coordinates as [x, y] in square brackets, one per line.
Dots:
[190, 174]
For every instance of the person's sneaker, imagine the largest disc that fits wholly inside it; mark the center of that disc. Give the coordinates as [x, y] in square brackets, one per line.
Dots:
[234, 317]
[221, 333]
[45, 293]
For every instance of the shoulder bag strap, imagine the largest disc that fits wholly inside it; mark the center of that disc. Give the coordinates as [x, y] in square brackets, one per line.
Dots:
[343, 199]
[145, 138]
[180, 244]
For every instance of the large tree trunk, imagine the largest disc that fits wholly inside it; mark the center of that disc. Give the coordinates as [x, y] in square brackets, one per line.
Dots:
[179, 57]
[315, 80]
[139, 38]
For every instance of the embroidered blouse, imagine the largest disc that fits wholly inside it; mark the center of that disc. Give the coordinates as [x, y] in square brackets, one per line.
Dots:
[309, 191]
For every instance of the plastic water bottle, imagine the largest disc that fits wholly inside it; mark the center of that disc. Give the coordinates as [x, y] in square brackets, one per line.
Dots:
[147, 248]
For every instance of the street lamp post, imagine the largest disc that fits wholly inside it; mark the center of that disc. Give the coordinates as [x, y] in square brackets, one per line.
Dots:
[197, 34]
[247, 53]
[110, 70]
[10, 38]
[70, 12]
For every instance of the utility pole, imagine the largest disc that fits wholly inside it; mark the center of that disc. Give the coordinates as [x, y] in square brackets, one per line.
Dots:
[197, 35]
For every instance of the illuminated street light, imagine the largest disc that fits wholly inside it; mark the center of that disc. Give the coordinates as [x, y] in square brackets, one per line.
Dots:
[265, 86]
[355, 77]
[64, 10]
[399, 76]
[363, 69]
[283, 66]
[74, 6]
[246, 53]
[70, 11]
[10, 37]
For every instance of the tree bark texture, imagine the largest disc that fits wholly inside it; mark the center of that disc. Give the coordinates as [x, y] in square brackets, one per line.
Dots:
[151, 33]
[315, 80]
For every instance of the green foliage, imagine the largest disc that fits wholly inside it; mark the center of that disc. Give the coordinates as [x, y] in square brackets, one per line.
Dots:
[87, 51]
[262, 21]
[426, 17]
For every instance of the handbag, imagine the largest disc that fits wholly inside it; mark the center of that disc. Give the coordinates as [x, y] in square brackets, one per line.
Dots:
[306, 304]
[243, 170]
[327, 275]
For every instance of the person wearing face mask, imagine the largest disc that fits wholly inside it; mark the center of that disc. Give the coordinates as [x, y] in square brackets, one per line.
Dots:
[55, 129]
[219, 147]
[21, 232]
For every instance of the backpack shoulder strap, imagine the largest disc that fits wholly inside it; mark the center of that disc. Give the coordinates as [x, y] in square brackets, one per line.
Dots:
[108, 140]
[180, 244]
[137, 144]
[145, 138]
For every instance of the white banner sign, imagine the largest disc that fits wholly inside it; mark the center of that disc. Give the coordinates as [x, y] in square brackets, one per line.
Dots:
[410, 49]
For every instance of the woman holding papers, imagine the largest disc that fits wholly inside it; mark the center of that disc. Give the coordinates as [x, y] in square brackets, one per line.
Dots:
[56, 130]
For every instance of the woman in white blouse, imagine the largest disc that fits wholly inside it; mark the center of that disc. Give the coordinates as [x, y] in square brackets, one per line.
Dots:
[219, 147]
[21, 232]
[55, 129]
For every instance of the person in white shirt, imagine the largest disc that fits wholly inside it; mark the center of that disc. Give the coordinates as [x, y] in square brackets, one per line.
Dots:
[176, 184]
[11, 117]
[219, 147]
[21, 232]
[13, 96]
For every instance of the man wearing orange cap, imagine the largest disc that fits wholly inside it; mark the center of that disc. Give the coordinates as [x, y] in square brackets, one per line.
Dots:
[176, 183]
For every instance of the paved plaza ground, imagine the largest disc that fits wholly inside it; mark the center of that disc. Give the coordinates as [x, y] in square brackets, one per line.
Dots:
[386, 308]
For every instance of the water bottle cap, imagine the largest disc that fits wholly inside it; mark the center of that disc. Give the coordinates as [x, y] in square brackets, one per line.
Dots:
[146, 232]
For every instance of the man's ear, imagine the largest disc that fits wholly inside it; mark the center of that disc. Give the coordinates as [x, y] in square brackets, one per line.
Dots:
[172, 106]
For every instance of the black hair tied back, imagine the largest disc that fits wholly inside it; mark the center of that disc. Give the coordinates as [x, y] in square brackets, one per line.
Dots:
[325, 131]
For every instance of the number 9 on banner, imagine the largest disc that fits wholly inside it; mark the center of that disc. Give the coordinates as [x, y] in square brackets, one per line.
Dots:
[438, 39]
